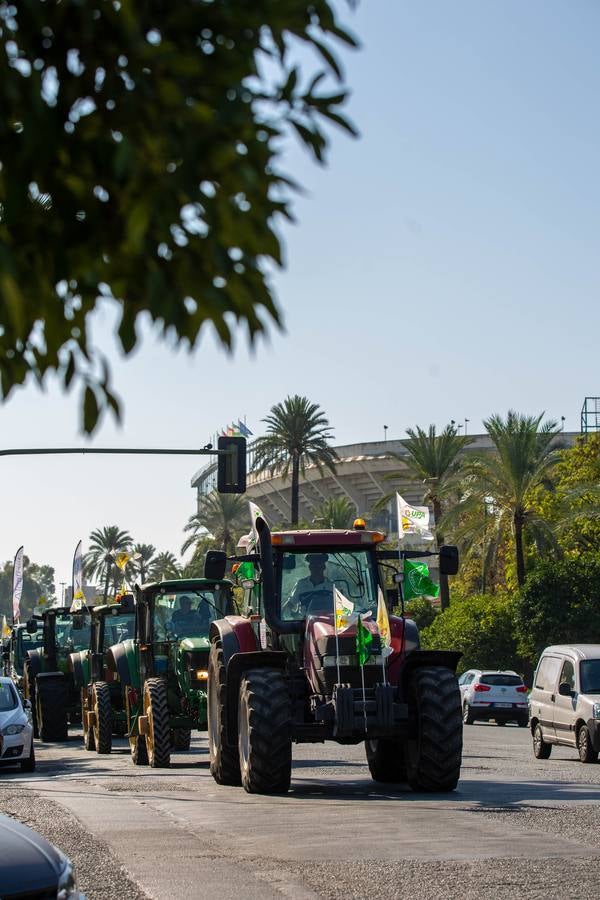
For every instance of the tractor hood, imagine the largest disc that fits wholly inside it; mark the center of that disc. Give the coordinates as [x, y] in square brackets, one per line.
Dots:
[195, 643]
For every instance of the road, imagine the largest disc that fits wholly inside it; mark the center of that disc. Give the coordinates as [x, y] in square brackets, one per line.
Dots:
[516, 827]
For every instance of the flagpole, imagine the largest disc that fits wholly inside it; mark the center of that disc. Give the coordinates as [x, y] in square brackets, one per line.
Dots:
[362, 675]
[337, 640]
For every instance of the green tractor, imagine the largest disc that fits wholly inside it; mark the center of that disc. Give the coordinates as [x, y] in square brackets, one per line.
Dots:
[15, 648]
[102, 704]
[48, 682]
[164, 669]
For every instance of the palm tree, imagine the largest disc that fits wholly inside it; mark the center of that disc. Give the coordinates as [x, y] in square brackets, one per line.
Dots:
[141, 566]
[510, 478]
[298, 434]
[164, 566]
[434, 460]
[220, 515]
[337, 512]
[105, 543]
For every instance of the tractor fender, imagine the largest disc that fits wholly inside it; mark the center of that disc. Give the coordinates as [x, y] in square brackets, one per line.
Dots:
[237, 665]
[447, 659]
[35, 662]
[50, 676]
[121, 658]
[235, 635]
[79, 665]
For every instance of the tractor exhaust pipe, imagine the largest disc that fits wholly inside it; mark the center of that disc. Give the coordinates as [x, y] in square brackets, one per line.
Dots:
[272, 617]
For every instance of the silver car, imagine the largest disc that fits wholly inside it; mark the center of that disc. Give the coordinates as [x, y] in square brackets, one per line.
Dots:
[564, 704]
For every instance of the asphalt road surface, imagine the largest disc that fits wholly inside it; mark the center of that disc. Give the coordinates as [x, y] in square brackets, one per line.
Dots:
[516, 826]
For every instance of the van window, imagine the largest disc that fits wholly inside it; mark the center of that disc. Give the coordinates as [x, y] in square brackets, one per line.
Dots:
[545, 677]
[568, 674]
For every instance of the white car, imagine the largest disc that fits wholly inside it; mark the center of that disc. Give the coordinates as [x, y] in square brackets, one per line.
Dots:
[500, 696]
[16, 730]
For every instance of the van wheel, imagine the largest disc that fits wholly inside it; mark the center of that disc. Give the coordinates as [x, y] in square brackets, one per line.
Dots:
[541, 749]
[587, 754]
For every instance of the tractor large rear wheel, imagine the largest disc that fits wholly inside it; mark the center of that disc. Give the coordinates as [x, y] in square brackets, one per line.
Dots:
[224, 759]
[434, 751]
[103, 717]
[386, 761]
[158, 738]
[29, 691]
[52, 697]
[265, 732]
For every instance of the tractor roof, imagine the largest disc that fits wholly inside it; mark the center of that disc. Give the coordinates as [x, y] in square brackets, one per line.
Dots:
[327, 537]
[177, 585]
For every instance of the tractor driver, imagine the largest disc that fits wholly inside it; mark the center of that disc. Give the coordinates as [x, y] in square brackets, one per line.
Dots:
[314, 593]
[185, 620]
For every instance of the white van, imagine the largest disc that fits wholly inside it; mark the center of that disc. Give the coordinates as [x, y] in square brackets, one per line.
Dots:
[564, 703]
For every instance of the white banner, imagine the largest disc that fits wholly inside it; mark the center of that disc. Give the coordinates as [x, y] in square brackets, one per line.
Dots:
[17, 584]
[412, 519]
[255, 512]
[78, 594]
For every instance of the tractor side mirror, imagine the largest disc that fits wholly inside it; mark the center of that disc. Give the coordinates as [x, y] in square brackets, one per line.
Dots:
[77, 621]
[31, 626]
[564, 689]
[215, 563]
[448, 560]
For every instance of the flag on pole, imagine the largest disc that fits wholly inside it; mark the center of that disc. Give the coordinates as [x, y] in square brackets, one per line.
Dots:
[344, 611]
[364, 639]
[5, 628]
[122, 559]
[17, 584]
[243, 429]
[383, 624]
[412, 519]
[417, 582]
[77, 580]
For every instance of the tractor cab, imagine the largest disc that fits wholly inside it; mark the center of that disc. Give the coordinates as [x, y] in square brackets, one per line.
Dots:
[16, 648]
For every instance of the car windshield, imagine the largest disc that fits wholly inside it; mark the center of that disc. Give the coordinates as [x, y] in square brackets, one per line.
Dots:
[590, 676]
[8, 697]
[118, 628]
[501, 680]
[187, 613]
[71, 638]
[308, 579]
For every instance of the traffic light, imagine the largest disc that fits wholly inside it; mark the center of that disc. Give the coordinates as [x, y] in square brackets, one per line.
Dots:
[231, 471]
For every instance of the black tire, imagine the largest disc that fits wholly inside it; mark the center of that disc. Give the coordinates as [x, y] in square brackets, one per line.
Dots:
[89, 742]
[181, 738]
[103, 717]
[28, 765]
[29, 691]
[467, 715]
[53, 698]
[541, 749]
[156, 708]
[522, 723]
[265, 732]
[386, 761]
[434, 752]
[138, 749]
[586, 751]
[224, 759]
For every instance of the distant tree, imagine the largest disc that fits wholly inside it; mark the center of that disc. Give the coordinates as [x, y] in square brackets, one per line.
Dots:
[139, 151]
[298, 434]
[422, 611]
[38, 581]
[99, 561]
[336, 512]
[164, 566]
[142, 565]
[222, 516]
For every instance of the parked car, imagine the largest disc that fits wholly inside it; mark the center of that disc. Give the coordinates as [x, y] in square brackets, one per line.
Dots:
[16, 730]
[32, 867]
[500, 696]
[565, 701]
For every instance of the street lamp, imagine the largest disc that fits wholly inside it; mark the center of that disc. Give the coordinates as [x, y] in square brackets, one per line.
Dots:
[466, 423]
[385, 428]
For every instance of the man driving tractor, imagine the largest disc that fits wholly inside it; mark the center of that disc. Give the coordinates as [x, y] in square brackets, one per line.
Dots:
[315, 592]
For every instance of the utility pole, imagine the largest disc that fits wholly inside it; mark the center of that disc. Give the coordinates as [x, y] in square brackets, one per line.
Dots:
[385, 428]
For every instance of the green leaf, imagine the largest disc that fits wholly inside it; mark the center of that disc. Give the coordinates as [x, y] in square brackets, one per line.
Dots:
[90, 410]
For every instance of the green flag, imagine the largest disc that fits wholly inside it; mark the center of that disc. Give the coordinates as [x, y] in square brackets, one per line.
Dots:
[417, 582]
[364, 639]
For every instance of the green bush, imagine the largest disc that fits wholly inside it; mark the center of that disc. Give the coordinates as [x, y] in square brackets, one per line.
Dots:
[422, 611]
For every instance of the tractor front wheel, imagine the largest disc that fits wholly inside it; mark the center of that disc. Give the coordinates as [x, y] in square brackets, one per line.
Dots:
[265, 732]
[181, 738]
[103, 717]
[52, 700]
[434, 750]
[158, 738]
[224, 759]
[386, 761]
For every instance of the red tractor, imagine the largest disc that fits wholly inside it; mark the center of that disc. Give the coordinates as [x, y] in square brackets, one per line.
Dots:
[289, 671]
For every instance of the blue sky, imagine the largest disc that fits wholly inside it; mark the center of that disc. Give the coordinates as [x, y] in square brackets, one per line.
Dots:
[444, 265]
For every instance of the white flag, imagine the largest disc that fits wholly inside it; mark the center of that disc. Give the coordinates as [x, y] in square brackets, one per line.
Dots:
[383, 624]
[78, 594]
[344, 611]
[255, 512]
[17, 584]
[412, 519]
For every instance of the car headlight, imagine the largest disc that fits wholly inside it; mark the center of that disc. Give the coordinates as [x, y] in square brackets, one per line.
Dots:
[596, 711]
[13, 729]
[67, 883]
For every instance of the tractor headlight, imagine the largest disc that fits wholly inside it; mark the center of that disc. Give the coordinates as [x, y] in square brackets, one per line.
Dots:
[13, 729]
[201, 675]
[67, 883]
[596, 711]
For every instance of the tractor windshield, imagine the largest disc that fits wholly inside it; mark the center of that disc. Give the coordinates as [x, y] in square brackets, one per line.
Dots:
[69, 638]
[26, 642]
[187, 614]
[118, 628]
[308, 579]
